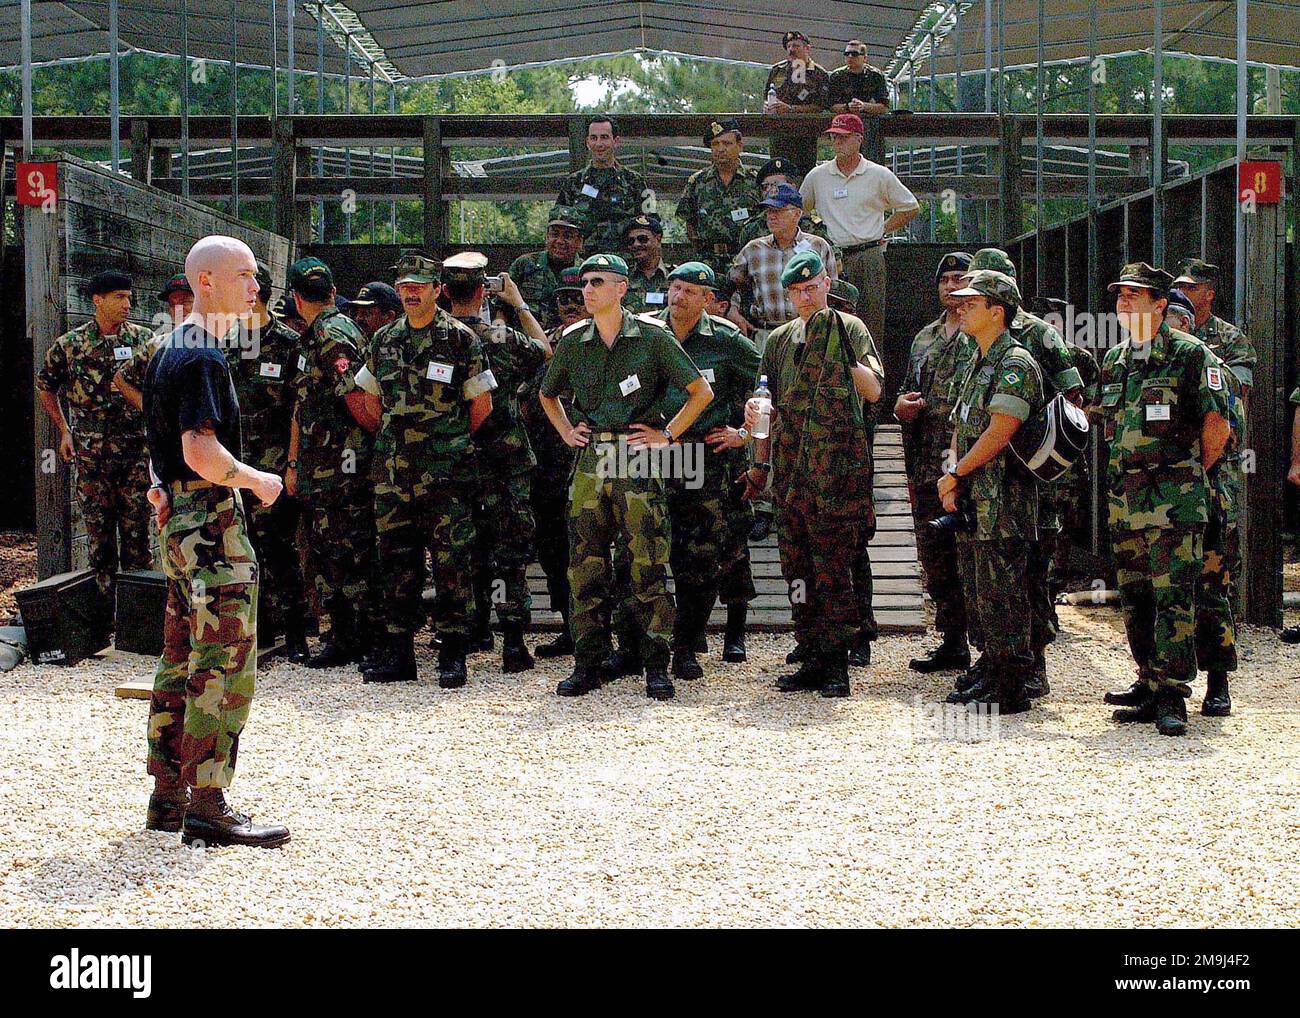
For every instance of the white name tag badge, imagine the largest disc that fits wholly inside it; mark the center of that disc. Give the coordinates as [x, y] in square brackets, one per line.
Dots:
[270, 370]
[803, 245]
[302, 362]
[1157, 412]
[589, 191]
[707, 374]
[803, 94]
[739, 215]
[840, 192]
[439, 372]
[965, 413]
[629, 385]
[122, 353]
[655, 298]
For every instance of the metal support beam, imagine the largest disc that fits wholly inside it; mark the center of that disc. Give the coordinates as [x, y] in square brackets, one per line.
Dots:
[185, 98]
[293, 67]
[26, 32]
[114, 90]
[1040, 220]
[435, 209]
[320, 110]
[1158, 138]
[1243, 99]
[234, 107]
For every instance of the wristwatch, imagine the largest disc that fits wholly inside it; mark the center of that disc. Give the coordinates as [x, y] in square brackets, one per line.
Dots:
[292, 465]
[743, 432]
[668, 434]
[765, 467]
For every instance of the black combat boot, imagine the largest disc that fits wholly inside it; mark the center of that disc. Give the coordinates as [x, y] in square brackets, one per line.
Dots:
[627, 659]
[952, 653]
[266, 636]
[582, 680]
[835, 667]
[1143, 712]
[1171, 712]
[1037, 685]
[1012, 690]
[1218, 701]
[396, 665]
[480, 632]
[167, 805]
[451, 661]
[1135, 696]
[1291, 634]
[372, 649]
[733, 640]
[686, 665]
[976, 683]
[562, 645]
[860, 653]
[658, 686]
[340, 645]
[798, 655]
[514, 652]
[810, 675]
[295, 640]
[210, 822]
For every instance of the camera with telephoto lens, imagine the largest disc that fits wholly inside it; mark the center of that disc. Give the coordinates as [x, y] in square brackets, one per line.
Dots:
[962, 521]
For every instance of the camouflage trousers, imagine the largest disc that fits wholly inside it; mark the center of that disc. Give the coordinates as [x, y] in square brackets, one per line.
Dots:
[1040, 634]
[700, 535]
[862, 581]
[273, 530]
[204, 683]
[503, 546]
[550, 502]
[116, 511]
[440, 518]
[1216, 628]
[1042, 603]
[819, 575]
[736, 581]
[342, 556]
[997, 599]
[937, 552]
[1158, 570]
[627, 510]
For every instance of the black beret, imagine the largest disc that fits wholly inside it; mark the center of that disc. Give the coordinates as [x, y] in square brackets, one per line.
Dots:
[107, 281]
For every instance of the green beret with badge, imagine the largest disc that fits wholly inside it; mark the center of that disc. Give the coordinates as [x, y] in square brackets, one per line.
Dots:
[414, 267]
[1140, 274]
[694, 272]
[802, 267]
[604, 263]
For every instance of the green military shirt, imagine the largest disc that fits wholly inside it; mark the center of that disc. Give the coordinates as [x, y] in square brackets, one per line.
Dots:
[264, 385]
[617, 386]
[717, 212]
[333, 449]
[729, 363]
[1232, 346]
[1089, 373]
[1227, 477]
[1048, 349]
[608, 197]
[1006, 380]
[79, 367]
[781, 356]
[647, 293]
[537, 279]
[1153, 405]
[870, 86]
[935, 367]
[810, 87]
[513, 357]
[425, 379]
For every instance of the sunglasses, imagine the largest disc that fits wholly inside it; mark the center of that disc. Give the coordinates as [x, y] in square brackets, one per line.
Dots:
[855, 53]
[595, 282]
[640, 238]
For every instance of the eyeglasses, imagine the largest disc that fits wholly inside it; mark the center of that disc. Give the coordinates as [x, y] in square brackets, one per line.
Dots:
[639, 238]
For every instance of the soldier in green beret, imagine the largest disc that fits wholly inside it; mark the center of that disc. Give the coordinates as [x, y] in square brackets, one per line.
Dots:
[718, 199]
[617, 369]
[538, 274]
[605, 192]
[1162, 412]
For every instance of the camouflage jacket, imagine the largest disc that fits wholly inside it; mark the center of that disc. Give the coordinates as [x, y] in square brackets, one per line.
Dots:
[647, 293]
[717, 212]
[426, 379]
[1232, 346]
[265, 388]
[935, 367]
[537, 280]
[608, 197]
[809, 85]
[729, 363]
[1154, 399]
[1007, 381]
[1089, 373]
[501, 444]
[1227, 477]
[333, 449]
[1049, 351]
[79, 368]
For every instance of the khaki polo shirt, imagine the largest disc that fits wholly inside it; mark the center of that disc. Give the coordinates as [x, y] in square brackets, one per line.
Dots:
[854, 208]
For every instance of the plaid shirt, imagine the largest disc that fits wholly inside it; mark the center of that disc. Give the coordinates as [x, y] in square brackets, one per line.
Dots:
[760, 263]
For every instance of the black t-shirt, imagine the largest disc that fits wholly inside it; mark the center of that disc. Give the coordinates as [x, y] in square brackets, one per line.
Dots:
[187, 384]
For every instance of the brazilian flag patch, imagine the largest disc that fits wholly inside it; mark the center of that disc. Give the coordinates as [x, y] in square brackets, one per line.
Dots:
[1011, 377]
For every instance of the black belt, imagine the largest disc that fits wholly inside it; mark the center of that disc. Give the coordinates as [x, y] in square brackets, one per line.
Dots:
[855, 248]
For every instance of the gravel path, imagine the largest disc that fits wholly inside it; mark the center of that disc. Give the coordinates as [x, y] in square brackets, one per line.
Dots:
[502, 804]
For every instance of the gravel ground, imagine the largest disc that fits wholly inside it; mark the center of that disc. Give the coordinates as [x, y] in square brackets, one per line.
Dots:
[501, 804]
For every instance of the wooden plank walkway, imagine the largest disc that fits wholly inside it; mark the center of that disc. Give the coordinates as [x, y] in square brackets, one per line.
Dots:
[896, 578]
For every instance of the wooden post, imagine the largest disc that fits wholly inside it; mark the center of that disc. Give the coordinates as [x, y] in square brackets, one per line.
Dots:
[302, 209]
[160, 163]
[1010, 182]
[46, 321]
[577, 142]
[873, 145]
[435, 209]
[284, 179]
[140, 150]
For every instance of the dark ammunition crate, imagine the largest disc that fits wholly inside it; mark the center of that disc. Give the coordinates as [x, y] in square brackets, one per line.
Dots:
[67, 618]
[141, 606]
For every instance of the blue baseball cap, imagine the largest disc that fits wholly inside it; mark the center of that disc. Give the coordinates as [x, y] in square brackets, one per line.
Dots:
[786, 196]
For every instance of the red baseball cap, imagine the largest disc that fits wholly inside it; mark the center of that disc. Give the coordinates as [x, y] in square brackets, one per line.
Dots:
[846, 123]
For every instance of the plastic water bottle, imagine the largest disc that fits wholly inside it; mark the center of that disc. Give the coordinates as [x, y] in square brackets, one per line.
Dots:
[764, 396]
[771, 96]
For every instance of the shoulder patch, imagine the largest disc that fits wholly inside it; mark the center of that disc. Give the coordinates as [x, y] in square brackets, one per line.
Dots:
[1214, 378]
[650, 318]
[1011, 376]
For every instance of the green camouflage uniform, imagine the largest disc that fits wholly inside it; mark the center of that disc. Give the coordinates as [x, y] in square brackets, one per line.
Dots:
[821, 470]
[619, 195]
[994, 558]
[647, 293]
[1216, 625]
[107, 440]
[265, 388]
[932, 370]
[613, 388]
[799, 88]
[204, 683]
[504, 462]
[537, 279]
[334, 454]
[1154, 399]
[717, 212]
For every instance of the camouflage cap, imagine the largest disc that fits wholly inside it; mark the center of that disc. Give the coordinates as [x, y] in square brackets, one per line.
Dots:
[955, 261]
[604, 263]
[844, 294]
[179, 284]
[379, 295]
[650, 221]
[990, 283]
[312, 278]
[465, 267]
[1141, 274]
[717, 128]
[1195, 271]
[566, 215]
[992, 258]
[1179, 301]
[694, 272]
[414, 267]
[802, 267]
[570, 279]
[107, 281]
[793, 34]
[778, 165]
